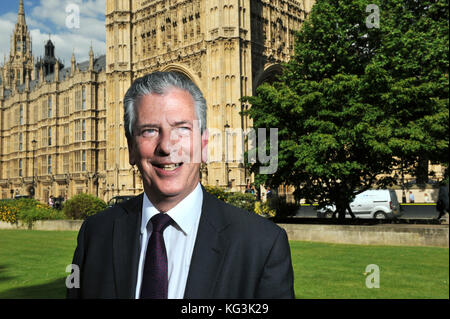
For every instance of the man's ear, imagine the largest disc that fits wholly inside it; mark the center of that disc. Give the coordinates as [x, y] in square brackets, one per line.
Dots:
[131, 149]
[205, 137]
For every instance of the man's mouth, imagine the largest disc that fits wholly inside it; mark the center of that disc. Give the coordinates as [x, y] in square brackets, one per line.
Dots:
[168, 167]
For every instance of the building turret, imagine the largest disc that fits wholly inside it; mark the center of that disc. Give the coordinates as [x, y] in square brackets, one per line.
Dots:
[27, 82]
[57, 67]
[91, 59]
[21, 14]
[20, 58]
[73, 64]
[49, 61]
[2, 90]
[41, 74]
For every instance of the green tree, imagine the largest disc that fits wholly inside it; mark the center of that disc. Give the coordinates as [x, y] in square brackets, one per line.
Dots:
[356, 100]
[82, 206]
[414, 56]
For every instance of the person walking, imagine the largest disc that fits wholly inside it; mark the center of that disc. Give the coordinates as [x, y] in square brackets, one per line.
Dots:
[51, 201]
[268, 193]
[411, 197]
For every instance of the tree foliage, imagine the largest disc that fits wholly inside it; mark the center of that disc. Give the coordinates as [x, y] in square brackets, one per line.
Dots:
[82, 206]
[354, 102]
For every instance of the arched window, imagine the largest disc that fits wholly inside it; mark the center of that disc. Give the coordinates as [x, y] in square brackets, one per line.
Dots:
[20, 168]
[83, 97]
[49, 165]
[50, 107]
[21, 114]
[49, 136]
[20, 141]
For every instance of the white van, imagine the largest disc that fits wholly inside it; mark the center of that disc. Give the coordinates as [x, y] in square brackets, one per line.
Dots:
[373, 203]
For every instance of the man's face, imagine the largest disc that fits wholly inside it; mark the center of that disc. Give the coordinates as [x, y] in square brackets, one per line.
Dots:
[167, 145]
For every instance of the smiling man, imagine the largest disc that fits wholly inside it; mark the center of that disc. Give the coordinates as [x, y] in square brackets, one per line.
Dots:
[175, 240]
[165, 133]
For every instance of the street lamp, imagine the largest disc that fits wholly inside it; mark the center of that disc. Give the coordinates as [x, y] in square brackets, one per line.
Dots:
[227, 178]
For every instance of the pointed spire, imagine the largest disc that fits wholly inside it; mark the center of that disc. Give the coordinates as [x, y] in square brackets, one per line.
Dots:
[73, 61]
[41, 74]
[91, 59]
[21, 14]
[21, 10]
[27, 81]
[57, 71]
[33, 73]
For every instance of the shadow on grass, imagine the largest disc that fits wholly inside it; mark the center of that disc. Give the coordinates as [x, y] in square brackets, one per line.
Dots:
[4, 277]
[51, 290]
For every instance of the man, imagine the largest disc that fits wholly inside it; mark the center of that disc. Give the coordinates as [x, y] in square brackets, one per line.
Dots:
[206, 248]
[269, 193]
[411, 197]
[50, 201]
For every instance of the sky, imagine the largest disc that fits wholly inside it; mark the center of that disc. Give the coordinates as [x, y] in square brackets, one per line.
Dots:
[58, 19]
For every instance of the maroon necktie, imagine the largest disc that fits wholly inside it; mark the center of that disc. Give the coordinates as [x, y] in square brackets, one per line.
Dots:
[155, 280]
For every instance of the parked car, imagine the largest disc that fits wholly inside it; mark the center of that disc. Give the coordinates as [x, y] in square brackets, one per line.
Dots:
[21, 196]
[373, 203]
[118, 199]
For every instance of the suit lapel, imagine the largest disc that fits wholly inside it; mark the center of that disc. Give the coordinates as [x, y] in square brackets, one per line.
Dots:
[209, 250]
[126, 247]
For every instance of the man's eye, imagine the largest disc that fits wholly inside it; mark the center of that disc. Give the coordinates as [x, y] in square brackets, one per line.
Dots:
[149, 132]
[184, 130]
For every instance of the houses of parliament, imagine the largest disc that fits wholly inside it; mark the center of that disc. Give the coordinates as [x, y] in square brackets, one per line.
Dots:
[61, 126]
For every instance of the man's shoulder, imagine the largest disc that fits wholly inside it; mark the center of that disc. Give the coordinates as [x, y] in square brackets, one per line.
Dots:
[106, 218]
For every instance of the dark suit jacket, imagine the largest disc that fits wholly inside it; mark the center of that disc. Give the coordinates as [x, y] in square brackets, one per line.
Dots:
[237, 254]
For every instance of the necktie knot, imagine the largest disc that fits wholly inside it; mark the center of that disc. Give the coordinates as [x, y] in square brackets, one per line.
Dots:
[160, 222]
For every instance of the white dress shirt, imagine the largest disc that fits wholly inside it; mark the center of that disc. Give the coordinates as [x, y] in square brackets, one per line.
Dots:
[179, 239]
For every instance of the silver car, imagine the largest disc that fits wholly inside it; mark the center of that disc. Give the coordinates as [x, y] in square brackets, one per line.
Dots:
[372, 203]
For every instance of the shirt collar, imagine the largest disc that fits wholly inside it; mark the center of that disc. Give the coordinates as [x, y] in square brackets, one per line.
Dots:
[185, 214]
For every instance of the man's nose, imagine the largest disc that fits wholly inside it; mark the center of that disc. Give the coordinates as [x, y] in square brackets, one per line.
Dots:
[163, 147]
[167, 143]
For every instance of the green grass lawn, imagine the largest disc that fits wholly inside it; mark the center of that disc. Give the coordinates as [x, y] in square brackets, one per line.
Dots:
[33, 264]
[333, 271]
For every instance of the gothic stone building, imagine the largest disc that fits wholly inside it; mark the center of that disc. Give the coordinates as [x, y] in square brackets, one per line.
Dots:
[61, 128]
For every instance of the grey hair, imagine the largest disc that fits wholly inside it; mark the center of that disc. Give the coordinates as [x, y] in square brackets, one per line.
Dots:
[160, 83]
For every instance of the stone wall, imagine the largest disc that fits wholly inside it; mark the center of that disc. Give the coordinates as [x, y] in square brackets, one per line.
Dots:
[384, 235]
[391, 235]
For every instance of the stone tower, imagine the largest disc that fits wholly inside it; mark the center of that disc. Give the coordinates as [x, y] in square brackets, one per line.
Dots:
[119, 77]
[20, 64]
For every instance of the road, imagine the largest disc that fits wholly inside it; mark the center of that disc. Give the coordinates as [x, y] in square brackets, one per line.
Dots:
[410, 211]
